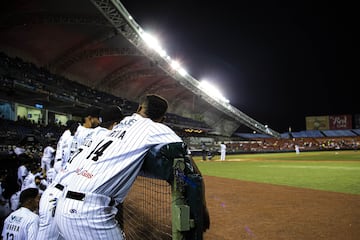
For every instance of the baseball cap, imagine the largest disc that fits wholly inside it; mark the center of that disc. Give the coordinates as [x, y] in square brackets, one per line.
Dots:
[69, 123]
[92, 111]
[110, 114]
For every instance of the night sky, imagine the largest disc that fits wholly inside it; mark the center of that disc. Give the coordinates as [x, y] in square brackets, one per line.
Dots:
[277, 62]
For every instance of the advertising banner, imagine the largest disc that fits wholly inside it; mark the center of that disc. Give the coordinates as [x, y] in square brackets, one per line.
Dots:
[340, 122]
[357, 121]
[317, 123]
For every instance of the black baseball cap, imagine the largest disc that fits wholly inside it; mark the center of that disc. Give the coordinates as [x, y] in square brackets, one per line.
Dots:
[92, 112]
[110, 114]
[69, 123]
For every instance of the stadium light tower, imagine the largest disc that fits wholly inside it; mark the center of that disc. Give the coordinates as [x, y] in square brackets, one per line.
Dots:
[120, 18]
[213, 91]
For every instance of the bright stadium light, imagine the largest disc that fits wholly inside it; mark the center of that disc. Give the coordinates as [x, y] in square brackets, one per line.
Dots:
[182, 71]
[153, 43]
[175, 64]
[212, 91]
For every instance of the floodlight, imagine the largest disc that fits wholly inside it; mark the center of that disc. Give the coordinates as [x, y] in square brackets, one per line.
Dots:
[153, 43]
[175, 64]
[212, 91]
[182, 71]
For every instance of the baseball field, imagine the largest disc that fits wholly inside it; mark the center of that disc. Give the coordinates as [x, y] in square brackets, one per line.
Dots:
[311, 195]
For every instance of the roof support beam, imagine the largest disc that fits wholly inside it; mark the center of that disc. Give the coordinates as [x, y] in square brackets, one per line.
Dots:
[118, 16]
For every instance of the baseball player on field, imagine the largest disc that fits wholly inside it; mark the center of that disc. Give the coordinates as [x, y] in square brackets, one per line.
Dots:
[107, 171]
[24, 222]
[48, 229]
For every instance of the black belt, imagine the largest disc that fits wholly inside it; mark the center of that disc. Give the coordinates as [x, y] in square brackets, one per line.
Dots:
[59, 186]
[75, 195]
[80, 196]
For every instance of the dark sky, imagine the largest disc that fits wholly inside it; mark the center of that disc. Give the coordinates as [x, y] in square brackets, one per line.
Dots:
[277, 62]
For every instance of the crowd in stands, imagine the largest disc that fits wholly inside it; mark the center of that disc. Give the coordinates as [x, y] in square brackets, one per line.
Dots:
[271, 145]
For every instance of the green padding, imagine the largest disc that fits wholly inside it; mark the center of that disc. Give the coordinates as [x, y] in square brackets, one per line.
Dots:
[182, 213]
[159, 160]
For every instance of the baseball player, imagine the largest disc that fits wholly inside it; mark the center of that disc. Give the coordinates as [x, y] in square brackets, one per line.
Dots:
[21, 174]
[14, 200]
[23, 223]
[29, 180]
[50, 174]
[48, 229]
[48, 155]
[91, 121]
[222, 151]
[107, 171]
[64, 144]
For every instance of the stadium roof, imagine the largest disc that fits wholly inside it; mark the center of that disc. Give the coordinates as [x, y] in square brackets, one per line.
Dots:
[95, 43]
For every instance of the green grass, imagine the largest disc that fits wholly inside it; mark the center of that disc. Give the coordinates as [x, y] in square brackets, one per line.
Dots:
[330, 171]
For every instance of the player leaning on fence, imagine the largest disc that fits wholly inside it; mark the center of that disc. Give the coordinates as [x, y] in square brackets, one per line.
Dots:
[107, 171]
[48, 229]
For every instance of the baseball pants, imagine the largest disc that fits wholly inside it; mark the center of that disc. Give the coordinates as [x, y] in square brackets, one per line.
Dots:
[47, 228]
[87, 216]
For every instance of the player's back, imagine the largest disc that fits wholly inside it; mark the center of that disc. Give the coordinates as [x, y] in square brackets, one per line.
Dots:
[117, 155]
[21, 224]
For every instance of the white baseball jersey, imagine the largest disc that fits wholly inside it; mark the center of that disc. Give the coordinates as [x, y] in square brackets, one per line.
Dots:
[63, 150]
[104, 171]
[21, 224]
[112, 162]
[79, 138]
[47, 156]
[222, 151]
[29, 181]
[47, 228]
[87, 141]
[50, 175]
[59, 147]
[22, 173]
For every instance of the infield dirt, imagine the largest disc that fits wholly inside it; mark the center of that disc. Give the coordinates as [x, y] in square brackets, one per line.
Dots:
[247, 210]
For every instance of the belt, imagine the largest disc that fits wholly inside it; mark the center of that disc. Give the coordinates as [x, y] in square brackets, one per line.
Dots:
[81, 196]
[75, 195]
[59, 186]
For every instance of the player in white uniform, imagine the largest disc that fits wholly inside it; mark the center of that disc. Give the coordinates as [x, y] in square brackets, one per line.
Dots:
[48, 229]
[24, 222]
[222, 151]
[50, 175]
[64, 144]
[107, 171]
[48, 155]
[15, 200]
[29, 181]
[21, 174]
[91, 121]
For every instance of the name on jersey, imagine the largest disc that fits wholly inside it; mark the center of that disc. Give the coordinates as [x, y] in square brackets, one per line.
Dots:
[12, 227]
[117, 134]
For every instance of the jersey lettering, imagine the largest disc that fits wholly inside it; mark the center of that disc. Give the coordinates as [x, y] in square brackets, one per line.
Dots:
[9, 236]
[117, 134]
[78, 152]
[98, 150]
